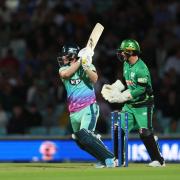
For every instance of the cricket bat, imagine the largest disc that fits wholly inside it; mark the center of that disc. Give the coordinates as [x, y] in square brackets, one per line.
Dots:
[95, 35]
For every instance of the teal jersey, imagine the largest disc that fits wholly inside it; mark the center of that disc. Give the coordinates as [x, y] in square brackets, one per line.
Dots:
[138, 81]
[80, 90]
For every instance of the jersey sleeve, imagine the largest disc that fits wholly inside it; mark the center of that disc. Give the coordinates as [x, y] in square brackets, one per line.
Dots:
[92, 67]
[142, 80]
[62, 68]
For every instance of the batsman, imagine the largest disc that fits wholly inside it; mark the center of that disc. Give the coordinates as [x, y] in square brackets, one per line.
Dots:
[78, 75]
[137, 95]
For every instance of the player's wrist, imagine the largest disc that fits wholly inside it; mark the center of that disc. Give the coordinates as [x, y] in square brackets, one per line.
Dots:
[79, 60]
[85, 67]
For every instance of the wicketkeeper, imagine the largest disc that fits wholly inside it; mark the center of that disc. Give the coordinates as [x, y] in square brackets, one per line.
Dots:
[137, 97]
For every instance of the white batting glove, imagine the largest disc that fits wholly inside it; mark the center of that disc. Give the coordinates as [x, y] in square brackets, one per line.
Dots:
[85, 55]
[86, 52]
[86, 62]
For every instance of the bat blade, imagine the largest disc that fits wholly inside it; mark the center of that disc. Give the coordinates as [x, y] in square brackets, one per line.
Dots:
[95, 35]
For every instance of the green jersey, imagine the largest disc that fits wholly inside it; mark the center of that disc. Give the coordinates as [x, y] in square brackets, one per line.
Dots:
[138, 81]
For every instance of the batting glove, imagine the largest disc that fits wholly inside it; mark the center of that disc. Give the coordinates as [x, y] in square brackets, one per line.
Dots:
[86, 62]
[86, 52]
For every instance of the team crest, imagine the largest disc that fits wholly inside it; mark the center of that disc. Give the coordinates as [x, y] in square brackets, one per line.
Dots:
[132, 75]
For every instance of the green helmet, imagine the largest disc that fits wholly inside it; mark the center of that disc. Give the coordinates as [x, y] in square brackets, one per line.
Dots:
[130, 45]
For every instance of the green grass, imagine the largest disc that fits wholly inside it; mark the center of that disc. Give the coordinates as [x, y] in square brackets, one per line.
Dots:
[85, 171]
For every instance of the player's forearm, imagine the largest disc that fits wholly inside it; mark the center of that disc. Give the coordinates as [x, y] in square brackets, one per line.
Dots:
[92, 75]
[70, 71]
[137, 92]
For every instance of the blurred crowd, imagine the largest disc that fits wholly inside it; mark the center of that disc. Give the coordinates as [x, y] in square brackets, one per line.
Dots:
[32, 32]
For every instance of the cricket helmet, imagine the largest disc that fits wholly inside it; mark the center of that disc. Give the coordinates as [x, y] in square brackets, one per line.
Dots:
[68, 51]
[129, 47]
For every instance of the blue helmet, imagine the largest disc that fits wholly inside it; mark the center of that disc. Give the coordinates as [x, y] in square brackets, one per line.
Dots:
[70, 51]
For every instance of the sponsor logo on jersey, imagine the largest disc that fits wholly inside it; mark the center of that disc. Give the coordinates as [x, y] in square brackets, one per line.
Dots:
[142, 80]
[74, 81]
[129, 82]
[132, 75]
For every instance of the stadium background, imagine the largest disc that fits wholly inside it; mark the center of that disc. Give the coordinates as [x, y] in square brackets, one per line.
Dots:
[32, 32]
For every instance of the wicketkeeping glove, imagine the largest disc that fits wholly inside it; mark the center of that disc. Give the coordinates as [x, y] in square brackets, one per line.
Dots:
[106, 92]
[120, 97]
[116, 85]
[113, 95]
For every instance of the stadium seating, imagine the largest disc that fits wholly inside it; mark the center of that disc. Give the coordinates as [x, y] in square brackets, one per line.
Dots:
[57, 131]
[38, 131]
[3, 131]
